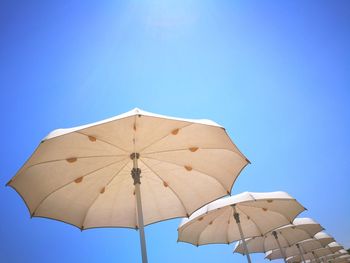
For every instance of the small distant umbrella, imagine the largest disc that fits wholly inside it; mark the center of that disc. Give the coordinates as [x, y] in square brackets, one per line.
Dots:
[304, 246]
[286, 236]
[315, 254]
[324, 238]
[341, 259]
[339, 253]
[239, 216]
[81, 175]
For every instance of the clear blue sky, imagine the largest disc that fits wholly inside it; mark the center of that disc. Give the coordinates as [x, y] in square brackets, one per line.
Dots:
[276, 74]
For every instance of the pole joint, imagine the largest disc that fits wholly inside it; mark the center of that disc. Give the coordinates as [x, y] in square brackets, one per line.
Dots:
[135, 173]
[274, 233]
[134, 156]
[236, 216]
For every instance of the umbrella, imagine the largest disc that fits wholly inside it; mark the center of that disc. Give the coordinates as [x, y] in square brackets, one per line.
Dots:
[340, 252]
[340, 259]
[81, 175]
[286, 236]
[304, 246]
[239, 216]
[315, 254]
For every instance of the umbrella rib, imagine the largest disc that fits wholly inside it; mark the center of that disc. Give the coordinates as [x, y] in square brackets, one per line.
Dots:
[264, 247]
[61, 187]
[106, 142]
[161, 138]
[229, 217]
[147, 157]
[174, 192]
[94, 201]
[186, 149]
[223, 211]
[81, 157]
[272, 211]
[252, 221]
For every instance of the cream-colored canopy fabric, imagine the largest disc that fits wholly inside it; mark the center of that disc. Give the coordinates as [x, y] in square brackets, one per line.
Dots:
[340, 252]
[305, 245]
[259, 214]
[81, 175]
[341, 259]
[300, 229]
[324, 238]
[318, 253]
[335, 247]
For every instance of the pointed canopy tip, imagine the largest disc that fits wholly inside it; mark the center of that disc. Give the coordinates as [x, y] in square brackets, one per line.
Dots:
[8, 183]
[135, 111]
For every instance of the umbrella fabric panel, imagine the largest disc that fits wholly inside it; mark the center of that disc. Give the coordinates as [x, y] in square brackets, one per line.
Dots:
[194, 187]
[39, 181]
[219, 164]
[71, 202]
[257, 244]
[266, 215]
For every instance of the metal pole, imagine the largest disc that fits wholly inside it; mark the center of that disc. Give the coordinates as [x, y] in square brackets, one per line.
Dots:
[135, 172]
[301, 254]
[274, 233]
[236, 216]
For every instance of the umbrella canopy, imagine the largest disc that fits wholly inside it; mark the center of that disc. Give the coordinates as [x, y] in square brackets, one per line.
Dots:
[81, 175]
[316, 254]
[335, 247]
[324, 238]
[230, 219]
[300, 229]
[340, 252]
[306, 246]
[340, 259]
[259, 214]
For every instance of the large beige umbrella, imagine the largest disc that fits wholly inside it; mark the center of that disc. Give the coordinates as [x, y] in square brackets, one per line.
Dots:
[81, 175]
[285, 236]
[239, 216]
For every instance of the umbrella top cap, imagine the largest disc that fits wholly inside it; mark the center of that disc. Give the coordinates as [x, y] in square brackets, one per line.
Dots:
[132, 113]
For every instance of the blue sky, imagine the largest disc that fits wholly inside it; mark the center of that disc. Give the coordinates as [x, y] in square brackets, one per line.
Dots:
[275, 74]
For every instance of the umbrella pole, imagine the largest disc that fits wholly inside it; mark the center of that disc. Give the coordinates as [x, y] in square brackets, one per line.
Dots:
[274, 233]
[135, 172]
[301, 254]
[236, 216]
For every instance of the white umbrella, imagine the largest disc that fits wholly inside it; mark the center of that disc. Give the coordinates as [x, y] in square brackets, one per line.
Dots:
[340, 252]
[239, 216]
[315, 254]
[304, 246]
[81, 175]
[340, 259]
[286, 236]
[324, 238]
